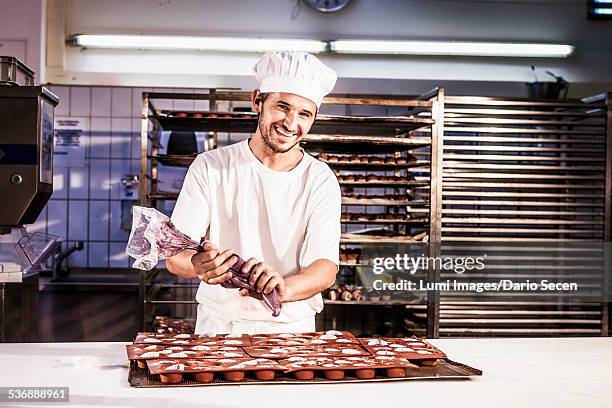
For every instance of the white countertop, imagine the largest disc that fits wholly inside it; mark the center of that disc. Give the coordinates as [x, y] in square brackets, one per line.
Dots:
[569, 372]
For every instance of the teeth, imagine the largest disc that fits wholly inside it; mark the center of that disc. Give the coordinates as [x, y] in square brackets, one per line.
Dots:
[283, 132]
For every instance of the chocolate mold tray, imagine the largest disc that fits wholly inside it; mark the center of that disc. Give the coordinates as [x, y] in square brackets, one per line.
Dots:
[445, 370]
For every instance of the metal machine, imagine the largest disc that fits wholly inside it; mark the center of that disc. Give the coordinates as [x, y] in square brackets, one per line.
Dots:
[26, 183]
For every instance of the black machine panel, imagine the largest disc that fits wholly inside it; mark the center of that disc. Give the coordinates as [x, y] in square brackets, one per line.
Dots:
[26, 152]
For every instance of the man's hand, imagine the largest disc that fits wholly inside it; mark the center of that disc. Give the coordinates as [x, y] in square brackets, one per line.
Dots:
[212, 266]
[264, 278]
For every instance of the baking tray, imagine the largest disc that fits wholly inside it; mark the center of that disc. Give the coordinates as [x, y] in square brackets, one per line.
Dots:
[14, 72]
[414, 167]
[415, 220]
[389, 184]
[348, 238]
[327, 124]
[363, 143]
[185, 160]
[444, 370]
[384, 201]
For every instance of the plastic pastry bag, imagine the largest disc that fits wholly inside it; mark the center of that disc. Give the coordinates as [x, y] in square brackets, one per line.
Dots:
[154, 237]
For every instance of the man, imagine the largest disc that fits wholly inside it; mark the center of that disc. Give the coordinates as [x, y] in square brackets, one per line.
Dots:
[268, 201]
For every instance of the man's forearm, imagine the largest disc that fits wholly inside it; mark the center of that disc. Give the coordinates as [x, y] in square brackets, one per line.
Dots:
[313, 279]
[180, 264]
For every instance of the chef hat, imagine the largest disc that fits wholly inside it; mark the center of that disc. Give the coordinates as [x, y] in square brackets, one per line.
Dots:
[295, 72]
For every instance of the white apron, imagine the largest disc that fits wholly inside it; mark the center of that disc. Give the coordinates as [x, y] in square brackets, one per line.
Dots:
[211, 324]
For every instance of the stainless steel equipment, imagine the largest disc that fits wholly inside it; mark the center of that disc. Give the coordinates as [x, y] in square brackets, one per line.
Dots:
[26, 183]
[26, 177]
[26, 153]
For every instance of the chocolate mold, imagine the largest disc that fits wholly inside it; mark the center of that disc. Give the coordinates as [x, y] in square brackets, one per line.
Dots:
[305, 339]
[337, 368]
[186, 339]
[282, 351]
[141, 352]
[230, 369]
[411, 348]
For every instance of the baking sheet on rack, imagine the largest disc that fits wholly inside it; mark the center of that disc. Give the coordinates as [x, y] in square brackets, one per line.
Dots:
[447, 370]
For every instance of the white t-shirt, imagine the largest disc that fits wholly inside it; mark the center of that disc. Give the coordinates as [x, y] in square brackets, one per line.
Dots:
[287, 219]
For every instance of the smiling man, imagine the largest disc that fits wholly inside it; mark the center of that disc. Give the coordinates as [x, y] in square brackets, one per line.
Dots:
[268, 201]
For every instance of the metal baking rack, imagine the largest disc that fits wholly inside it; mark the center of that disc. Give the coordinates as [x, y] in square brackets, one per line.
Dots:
[381, 134]
[406, 205]
[536, 171]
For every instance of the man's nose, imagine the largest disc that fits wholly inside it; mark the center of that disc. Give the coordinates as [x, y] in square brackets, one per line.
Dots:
[291, 121]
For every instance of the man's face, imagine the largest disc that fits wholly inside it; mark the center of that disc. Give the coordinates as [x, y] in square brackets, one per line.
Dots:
[284, 119]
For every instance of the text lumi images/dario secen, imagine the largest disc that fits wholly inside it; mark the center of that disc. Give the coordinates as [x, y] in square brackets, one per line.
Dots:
[410, 264]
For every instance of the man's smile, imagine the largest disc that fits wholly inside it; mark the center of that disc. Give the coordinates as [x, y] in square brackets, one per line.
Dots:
[283, 132]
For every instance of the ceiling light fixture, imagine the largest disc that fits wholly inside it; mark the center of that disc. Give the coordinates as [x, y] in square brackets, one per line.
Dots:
[171, 42]
[599, 9]
[452, 48]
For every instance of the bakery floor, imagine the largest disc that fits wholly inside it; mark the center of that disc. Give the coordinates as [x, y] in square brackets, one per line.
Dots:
[546, 372]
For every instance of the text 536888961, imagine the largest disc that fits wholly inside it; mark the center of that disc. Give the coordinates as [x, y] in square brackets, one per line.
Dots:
[34, 394]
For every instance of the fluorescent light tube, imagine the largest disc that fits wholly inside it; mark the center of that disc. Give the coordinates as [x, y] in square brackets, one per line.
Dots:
[167, 42]
[478, 49]
[603, 11]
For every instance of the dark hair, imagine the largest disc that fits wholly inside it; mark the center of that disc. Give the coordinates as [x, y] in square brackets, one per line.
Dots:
[263, 96]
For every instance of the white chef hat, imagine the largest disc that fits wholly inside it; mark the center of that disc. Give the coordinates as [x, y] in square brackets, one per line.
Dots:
[295, 72]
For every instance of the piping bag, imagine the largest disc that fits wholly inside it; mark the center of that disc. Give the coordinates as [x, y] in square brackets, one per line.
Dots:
[154, 237]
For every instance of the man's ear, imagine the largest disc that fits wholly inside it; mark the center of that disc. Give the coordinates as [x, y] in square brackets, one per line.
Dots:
[256, 100]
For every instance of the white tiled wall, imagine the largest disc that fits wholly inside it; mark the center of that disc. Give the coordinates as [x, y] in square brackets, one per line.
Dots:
[100, 102]
[121, 130]
[57, 215]
[100, 142]
[77, 220]
[80, 101]
[78, 182]
[121, 103]
[99, 178]
[99, 215]
[60, 182]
